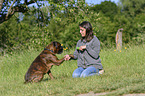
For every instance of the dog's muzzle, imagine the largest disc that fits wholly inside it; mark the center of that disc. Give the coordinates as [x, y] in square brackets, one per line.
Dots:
[60, 50]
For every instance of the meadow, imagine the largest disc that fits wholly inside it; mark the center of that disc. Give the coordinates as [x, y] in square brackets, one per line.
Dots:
[124, 74]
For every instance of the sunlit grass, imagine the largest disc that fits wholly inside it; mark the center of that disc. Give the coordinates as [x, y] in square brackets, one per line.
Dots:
[124, 73]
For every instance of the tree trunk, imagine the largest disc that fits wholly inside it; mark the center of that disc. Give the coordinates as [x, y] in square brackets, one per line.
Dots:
[1, 4]
[119, 39]
[11, 11]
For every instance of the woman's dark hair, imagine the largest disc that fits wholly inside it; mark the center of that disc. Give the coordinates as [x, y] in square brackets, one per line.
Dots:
[89, 32]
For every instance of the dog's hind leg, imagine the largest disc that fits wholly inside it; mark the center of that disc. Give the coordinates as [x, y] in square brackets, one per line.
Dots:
[37, 77]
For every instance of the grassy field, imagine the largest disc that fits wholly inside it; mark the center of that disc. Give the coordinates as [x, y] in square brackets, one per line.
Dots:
[124, 74]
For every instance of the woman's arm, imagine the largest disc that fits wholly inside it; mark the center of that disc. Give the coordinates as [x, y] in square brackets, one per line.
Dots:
[93, 48]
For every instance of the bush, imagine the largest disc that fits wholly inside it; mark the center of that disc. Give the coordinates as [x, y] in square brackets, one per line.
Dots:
[62, 25]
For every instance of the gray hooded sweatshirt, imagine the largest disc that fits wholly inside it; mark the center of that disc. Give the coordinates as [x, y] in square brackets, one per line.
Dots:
[89, 56]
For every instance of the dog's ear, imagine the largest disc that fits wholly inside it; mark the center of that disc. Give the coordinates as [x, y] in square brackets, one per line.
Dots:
[55, 44]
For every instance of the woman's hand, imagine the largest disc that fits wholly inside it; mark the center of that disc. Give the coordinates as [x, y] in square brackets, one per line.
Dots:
[82, 47]
[67, 57]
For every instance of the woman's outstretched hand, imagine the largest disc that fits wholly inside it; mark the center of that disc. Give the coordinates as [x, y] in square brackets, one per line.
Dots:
[67, 57]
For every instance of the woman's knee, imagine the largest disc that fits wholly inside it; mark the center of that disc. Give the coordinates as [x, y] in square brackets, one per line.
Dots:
[77, 72]
[84, 74]
[89, 72]
[75, 75]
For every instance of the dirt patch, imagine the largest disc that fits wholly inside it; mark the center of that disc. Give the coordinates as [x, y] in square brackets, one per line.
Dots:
[93, 94]
[141, 94]
[99, 94]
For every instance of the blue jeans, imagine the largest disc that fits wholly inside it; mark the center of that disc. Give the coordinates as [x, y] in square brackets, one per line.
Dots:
[81, 72]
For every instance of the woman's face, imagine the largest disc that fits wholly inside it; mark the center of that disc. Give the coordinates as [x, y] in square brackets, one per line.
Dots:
[83, 31]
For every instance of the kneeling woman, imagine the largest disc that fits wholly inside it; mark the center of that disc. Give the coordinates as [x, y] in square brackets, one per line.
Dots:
[87, 53]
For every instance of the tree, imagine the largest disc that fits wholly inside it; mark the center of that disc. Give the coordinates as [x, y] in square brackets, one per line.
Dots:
[108, 8]
[132, 7]
[8, 9]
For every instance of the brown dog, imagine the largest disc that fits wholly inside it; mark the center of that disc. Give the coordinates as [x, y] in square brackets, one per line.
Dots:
[44, 62]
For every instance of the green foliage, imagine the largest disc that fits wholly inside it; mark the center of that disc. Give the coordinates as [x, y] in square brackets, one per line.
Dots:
[132, 7]
[105, 31]
[133, 30]
[108, 8]
[124, 22]
[59, 21]
[139, 26]
[13, 35]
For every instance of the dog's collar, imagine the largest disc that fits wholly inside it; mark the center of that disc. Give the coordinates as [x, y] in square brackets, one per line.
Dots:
[48, 50]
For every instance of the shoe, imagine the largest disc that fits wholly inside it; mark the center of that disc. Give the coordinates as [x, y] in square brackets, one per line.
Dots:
[101, 71]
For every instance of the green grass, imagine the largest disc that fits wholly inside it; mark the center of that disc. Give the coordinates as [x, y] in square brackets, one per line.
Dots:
[124, 74]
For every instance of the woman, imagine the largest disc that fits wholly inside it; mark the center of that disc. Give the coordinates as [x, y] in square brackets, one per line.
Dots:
[87, 53]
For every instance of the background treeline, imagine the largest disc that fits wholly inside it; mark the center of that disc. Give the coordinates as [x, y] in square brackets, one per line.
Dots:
[58, 20]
